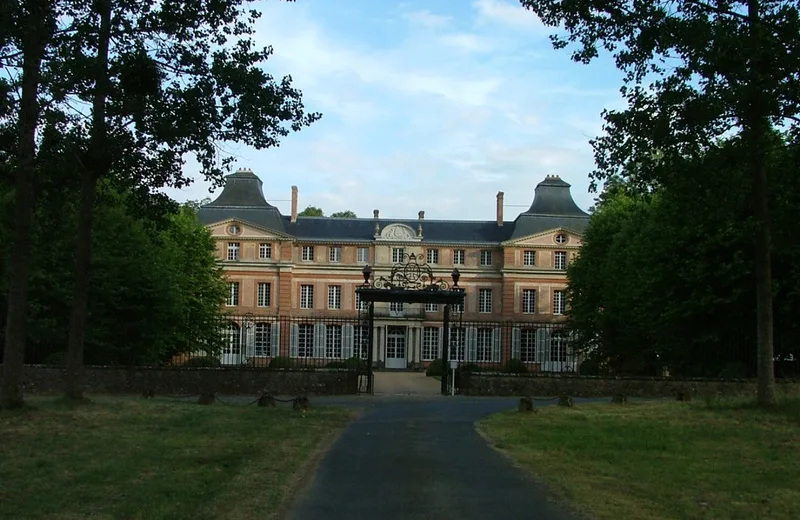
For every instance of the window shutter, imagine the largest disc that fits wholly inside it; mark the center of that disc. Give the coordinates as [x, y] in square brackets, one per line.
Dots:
[275, 340]
[347, 341]
[516, 342]
[249, 342]
[496, 336]
[294, 340]
[439, 343]
[472, 344]
[319, 340]
[542, 337]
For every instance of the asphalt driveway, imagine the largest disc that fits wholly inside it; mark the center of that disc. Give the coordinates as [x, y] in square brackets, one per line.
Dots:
[418, 458]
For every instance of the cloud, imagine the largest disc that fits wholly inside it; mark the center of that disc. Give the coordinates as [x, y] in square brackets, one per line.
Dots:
[437, 113]
[507, 13]
[427, 19]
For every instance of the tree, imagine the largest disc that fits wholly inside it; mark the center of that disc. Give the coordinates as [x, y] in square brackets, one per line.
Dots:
[344, 214]
[163, 79]
[712, 70]
[26, 34]
[311, 211]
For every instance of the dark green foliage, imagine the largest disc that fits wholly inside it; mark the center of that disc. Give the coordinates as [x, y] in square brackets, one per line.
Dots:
[436, 368]
[665, 280]
[336, 364]
[311, 211]
[514, 366]
[344, 214]
[469, 367]
[355, 363]
[282, 362]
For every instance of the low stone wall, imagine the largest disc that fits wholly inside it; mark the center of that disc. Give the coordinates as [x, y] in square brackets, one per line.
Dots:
[590, 386]
[185, 381]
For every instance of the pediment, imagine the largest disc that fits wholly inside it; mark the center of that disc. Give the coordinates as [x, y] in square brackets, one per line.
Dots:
[548, 239]
[244, 230]
[398, 233]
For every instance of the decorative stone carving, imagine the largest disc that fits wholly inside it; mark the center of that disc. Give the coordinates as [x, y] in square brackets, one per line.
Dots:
[399, 232]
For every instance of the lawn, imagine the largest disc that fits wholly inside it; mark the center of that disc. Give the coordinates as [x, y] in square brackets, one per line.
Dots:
[661, 460]
[126, 458]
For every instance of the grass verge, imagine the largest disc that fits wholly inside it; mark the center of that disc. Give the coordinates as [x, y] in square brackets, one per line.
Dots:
[722, 459]
[124, 458]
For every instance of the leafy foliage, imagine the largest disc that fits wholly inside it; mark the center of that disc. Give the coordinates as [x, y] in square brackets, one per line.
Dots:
[311, 211]
[666, 279]
[344, 214]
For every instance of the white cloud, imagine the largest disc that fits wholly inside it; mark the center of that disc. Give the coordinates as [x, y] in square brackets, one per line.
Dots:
[506, 12]
[427, 19]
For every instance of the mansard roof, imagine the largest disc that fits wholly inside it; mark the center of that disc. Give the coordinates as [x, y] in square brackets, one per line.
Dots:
[242, 198]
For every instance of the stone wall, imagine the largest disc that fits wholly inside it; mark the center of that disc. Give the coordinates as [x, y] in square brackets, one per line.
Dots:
[189, 381]
[588, 386]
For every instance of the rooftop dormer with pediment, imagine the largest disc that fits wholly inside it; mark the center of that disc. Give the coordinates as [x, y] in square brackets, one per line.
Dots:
[553, 208]
[242, 199]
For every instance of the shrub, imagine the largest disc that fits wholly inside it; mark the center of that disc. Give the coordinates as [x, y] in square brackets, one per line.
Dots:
[202, 361]
[469, 367]
[282, 362]
[355, 363]
[56, 359]
[515, 366]
[436, 368]
[336, 364]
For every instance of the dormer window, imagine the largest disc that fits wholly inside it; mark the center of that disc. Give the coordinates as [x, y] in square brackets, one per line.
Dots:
[234, 229]
[561, 239]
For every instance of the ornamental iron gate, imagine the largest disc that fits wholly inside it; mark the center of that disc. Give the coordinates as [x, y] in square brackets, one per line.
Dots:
[408, 282]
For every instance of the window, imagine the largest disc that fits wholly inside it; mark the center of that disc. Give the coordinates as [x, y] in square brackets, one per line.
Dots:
[333, 341]
[484, 345]
[398, 253]
[431, 307]
[459, 307]
[558, 346]
[233, 250]
[334, 297]
[527, 347]
[264, 251]
[306, 296]
[458, 256]
[362, 254]
[308, 253]
[360, 304]
[561, 238]
[233, 294]
[396, 307]
[529, 258]
[486, 257]
[528, 301]
[263, 339]
[433, 256]
[305, 339]
[335, 254]
[234, 229]
[264, 290]
[560, 260]
[360, 341]
[430, 343]
[484, 300]
[457, 344]
[559, 302]
[233, 340]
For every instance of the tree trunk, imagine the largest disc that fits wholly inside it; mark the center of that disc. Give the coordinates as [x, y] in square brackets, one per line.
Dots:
[96, 166]
[36, 33]
[756, 128]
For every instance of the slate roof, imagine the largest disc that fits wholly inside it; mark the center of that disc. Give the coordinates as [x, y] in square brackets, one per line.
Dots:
[243, 199]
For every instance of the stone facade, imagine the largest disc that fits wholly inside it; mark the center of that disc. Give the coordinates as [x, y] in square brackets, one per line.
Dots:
[479, 384]
[191, 381]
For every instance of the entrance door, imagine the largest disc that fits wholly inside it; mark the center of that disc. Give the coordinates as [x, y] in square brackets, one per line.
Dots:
[232, 349]
[395, 347]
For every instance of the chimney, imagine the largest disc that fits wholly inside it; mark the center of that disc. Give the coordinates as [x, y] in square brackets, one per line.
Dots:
[294, 204]
[375, 214]
[499, 208]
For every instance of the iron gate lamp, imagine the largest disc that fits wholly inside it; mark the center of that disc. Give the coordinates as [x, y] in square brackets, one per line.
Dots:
[456, 275]
[367, 272]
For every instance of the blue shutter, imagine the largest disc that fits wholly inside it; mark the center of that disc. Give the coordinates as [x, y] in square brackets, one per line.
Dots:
[275, 340]
[496, 337]
[319, 340]
[472, 344]
[516, 343]
[294, 340]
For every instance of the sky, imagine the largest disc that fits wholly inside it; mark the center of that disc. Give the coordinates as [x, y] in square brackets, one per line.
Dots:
[431, 105]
